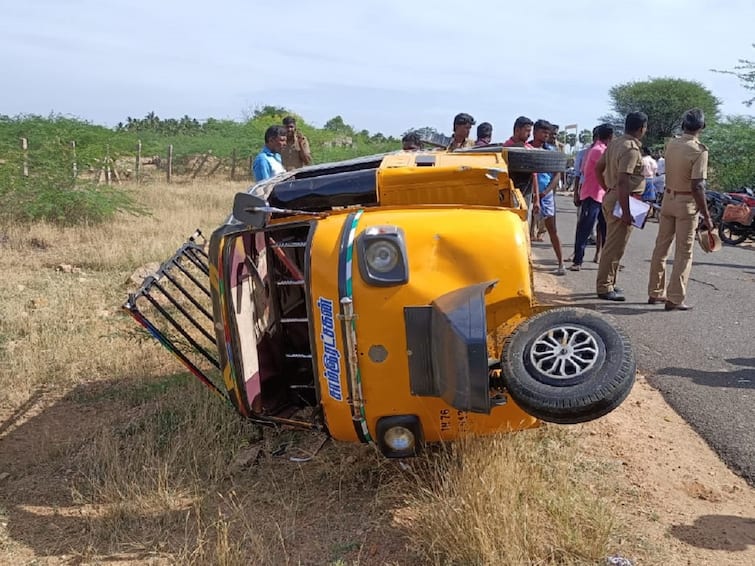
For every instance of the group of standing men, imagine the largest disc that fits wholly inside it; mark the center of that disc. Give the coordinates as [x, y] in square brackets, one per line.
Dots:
[538, 189]
[286, 148]
[613, 172]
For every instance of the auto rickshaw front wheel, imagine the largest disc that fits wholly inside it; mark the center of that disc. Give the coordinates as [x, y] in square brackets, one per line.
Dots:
[568, 365]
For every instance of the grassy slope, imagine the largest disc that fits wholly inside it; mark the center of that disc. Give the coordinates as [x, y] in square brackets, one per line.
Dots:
[114, 454]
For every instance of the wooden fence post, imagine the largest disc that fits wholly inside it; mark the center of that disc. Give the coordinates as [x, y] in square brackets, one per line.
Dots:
[170, 162]
[201, 164]
[25, 151]
[108, 178]
[233, 164]
[217, 166]
[138, 164]
[75, 167]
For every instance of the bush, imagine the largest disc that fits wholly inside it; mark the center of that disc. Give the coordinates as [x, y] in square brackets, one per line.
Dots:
[51, 193]
[732, 153]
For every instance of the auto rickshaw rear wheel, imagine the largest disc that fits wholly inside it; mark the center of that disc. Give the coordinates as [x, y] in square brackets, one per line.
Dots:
[568, 365]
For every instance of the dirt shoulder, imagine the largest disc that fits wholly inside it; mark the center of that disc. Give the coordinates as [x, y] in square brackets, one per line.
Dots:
[682, 502]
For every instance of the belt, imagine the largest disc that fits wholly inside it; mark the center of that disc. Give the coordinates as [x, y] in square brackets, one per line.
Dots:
[679, 192]
[631, 194]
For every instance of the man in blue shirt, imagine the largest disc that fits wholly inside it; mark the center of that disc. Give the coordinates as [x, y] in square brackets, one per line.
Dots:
[268, 162]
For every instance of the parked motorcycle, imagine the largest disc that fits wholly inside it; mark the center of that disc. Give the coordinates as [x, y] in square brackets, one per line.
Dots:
[736, 232]
[744, 195]
[717, 202]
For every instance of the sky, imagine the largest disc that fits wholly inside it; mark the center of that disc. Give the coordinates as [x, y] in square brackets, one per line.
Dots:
[385, 66]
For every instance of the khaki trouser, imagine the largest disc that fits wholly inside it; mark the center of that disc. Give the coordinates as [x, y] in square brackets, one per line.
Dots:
[617, 236]
[678, 215]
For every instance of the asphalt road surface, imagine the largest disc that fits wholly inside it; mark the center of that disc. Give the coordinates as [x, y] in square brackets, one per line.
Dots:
[703, 360]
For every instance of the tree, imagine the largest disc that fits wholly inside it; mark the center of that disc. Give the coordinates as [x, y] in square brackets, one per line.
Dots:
[269, 111]
[569, 139]
[585, 137]
[664, 100]
[336, 124]
[745, 72]
[732, 152]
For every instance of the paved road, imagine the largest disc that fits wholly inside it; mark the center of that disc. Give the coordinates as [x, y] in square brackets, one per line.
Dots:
[702, 361]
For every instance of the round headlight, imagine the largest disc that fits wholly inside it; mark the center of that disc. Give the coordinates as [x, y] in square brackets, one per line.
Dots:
[399, 438]
[382, 255]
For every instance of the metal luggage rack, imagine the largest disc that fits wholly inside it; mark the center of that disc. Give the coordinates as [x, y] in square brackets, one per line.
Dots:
[174, 306]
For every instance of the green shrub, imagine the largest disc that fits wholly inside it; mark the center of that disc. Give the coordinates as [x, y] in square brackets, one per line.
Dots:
[51, 193]
[732, 153]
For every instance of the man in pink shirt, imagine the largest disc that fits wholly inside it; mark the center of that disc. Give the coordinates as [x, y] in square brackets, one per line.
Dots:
[591, 197]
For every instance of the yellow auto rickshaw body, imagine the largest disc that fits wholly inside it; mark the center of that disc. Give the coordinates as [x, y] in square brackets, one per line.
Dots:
[365, 293]
[444, 252]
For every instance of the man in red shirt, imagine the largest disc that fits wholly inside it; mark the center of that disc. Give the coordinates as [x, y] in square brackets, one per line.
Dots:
[484, 134]
[522, 132]
[525, 182]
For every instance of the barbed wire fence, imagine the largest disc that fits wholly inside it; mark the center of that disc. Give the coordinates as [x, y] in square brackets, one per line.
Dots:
[111, 168]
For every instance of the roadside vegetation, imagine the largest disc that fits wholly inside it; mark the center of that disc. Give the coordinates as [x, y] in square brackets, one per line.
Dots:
[62, 182]
[113, 453]
[731, 139]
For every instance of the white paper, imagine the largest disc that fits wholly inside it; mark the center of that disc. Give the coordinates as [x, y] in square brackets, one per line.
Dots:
[637, 208]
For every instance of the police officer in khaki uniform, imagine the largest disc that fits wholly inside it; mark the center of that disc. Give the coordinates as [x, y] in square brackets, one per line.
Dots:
[686, 171]
[619, 172]
[296, 153]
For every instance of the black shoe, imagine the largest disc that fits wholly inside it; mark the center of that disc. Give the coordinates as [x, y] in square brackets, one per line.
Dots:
[612, 296]
[674, 307]
[619, 290]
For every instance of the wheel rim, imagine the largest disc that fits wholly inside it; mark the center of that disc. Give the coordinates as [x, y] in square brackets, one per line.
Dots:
[565, 352]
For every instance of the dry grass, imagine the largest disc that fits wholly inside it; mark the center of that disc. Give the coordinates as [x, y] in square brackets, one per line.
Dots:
[112, 456]
[58, 328]
[525, 498]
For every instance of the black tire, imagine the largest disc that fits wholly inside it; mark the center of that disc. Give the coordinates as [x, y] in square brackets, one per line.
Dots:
[523, 160]
[729, 236]
[580, 385]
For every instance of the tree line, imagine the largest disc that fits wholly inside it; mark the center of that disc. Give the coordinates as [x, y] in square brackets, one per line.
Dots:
[51, 192]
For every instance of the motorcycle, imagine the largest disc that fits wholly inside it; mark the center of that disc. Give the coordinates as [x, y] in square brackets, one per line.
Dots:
[744, 195]
[734, 232]
[717, 202]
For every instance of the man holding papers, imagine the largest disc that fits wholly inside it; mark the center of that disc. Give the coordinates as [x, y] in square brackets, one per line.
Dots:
[619, 173]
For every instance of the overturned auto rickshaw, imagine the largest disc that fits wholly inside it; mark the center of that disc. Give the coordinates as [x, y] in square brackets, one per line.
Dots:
[364, 298]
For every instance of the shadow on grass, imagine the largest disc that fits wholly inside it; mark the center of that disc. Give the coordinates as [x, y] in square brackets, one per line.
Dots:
[144, 468]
